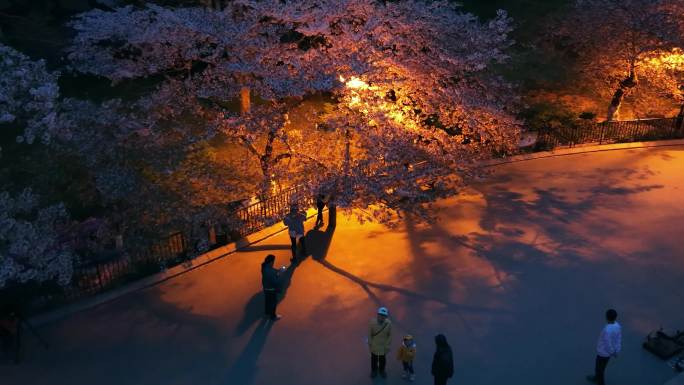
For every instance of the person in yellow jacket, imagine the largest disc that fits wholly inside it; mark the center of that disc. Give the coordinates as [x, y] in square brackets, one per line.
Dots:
[406, 354]
[379, 340]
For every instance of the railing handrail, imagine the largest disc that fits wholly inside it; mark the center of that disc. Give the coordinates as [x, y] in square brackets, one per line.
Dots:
[610, 131]
[259, 201]
[634, 120]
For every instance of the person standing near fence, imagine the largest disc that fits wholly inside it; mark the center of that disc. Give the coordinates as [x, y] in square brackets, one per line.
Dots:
[442, 361]
[295, 225]
[321, 200]
[379, 340]
[609, 345]
[271, 282]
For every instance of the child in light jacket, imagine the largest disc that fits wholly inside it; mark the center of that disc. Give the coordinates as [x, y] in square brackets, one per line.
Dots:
[406, 354]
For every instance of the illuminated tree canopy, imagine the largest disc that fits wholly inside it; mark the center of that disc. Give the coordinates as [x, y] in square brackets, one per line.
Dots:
[622, 42]
[408, 83]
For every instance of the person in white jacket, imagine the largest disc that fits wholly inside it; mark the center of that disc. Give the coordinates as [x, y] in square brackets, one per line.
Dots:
[609, 345]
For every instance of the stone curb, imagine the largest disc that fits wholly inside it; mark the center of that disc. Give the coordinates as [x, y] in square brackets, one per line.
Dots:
[271, 231]
[155, 279]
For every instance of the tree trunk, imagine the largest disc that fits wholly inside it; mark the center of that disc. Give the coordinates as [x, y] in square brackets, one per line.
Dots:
[212, 235]
[245, 102]
[347, 162]
[616, 102]
[614, 107]
[266, 180]
[266, 161]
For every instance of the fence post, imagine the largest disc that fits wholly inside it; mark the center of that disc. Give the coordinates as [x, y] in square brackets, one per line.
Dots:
[212, 235]
[543, 138]
[99, 276]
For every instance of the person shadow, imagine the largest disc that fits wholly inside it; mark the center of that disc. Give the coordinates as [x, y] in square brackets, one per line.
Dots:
[254, 310]
[245, 367]
[318, 242]
[317, 245]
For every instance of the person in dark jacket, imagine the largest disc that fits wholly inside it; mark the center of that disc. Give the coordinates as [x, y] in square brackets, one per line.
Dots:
[443, 361]
[295, 226]
[270, 280]
[321, 200]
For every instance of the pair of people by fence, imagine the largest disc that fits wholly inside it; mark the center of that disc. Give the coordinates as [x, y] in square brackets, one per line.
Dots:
[295, 219]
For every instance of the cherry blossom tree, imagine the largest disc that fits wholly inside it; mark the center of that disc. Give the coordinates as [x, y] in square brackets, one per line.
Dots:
[664, 72]
[32, 247]
[150, 182]
[28, 97]
[412, 97]
[618, 41]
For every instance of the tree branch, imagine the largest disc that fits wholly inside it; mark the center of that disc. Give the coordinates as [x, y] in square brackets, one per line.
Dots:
[316, 161]
[281, 157]
[249, 146]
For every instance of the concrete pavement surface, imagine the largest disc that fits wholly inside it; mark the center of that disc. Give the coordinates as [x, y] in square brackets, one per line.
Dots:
[517, 272]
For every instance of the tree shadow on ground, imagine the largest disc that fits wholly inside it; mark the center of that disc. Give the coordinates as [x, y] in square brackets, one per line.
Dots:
[367, 285]
[560, 273]
[432, 274]
[531, 239]
[521, 235]
[320, 242]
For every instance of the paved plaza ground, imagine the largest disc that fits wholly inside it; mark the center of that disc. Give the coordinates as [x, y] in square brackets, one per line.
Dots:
[517, 273]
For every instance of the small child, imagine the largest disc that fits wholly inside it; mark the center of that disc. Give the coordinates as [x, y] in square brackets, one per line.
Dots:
[406, 354]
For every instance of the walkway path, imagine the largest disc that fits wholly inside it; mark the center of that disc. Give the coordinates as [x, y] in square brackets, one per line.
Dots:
[517, 273]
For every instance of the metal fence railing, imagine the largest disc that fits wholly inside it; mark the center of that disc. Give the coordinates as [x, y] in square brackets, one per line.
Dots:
[267, 211]
[97, 274]
[102, 273]
[610, 132]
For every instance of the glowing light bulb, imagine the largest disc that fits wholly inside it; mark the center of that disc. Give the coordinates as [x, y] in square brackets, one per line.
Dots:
[356, 83]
